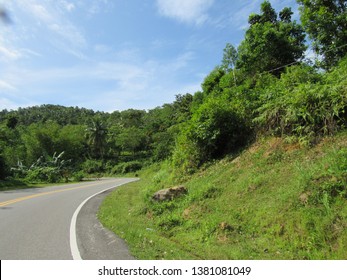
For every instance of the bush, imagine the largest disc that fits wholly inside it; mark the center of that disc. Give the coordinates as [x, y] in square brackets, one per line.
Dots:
[132, 166]
[217, 127]
[78, 176]
[43, 175]
[127, 167]
[92, 166]
[304, 104]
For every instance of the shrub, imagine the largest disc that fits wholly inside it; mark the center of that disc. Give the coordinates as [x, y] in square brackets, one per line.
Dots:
[78, 176]
[127, 167]
[131, 166]
[43, 175]
[303, 104]
[217, 127]
[92, 166]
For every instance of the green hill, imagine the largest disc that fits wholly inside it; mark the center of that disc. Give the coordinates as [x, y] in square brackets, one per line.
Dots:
[275, 200]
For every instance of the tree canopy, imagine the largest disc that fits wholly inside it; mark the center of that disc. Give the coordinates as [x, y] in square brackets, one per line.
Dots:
[271, 42]
[325, 21]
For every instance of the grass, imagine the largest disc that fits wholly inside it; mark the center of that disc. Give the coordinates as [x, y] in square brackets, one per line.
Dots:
[274, 201]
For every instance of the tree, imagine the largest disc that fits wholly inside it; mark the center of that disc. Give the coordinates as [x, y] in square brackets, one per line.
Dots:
[230, 56]
[72, 141]
[96, 138]
[216, 128]
[182, 106]
[270, 42]
[132, 118]
[132, 140]
[325, 21]
[12, 122]
[39, 140]
[211, 82]
[3, 168]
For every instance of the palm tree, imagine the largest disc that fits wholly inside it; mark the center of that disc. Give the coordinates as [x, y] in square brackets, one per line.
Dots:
[96, 138]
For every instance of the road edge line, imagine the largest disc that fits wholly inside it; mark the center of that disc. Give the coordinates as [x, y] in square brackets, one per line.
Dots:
[73, 237]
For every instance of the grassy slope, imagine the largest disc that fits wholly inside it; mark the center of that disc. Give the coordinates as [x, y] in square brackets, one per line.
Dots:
[275, 201]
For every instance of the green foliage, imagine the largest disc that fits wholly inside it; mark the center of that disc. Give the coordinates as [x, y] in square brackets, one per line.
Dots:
[325, 21]
[40, 140]
[211, 82]
[43, 175]
[332, 183]
[132, 118]
[185, 157]
[304, 104]
[96, 138]
[132, 139]
[131, 166]
[162, 146]
[270, 43]
[72, 141]
[91, 166]
[216, 128]
[229, 60]
[78, 176]
[252, 92]
[50, 169]
[127, 167]
[45, 113]
[12, 122]
[258, 206]
[182, 107]
[4, 169]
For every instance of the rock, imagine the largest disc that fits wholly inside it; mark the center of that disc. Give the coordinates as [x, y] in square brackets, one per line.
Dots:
[170, 193]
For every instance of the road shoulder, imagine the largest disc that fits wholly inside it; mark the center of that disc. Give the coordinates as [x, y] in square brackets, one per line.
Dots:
[93, 240]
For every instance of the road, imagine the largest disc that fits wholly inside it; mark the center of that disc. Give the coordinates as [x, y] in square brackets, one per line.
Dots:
[39, 223]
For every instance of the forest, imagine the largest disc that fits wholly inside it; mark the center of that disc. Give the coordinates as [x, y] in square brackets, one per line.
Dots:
[265, 86]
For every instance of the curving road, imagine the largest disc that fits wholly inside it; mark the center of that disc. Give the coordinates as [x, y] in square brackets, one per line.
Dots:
[39, 223]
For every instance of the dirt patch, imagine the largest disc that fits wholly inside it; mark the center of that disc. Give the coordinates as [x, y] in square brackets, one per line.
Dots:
[274, 145]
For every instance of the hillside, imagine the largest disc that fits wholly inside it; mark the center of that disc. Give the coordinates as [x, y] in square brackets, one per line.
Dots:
[275, 200]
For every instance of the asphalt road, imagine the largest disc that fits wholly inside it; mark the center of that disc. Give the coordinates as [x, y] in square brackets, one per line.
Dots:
[39, 224]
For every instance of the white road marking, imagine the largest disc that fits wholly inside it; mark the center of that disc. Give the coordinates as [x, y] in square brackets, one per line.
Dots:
[73, 238]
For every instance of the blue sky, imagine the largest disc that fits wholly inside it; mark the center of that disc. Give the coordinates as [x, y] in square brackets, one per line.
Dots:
[115, 55]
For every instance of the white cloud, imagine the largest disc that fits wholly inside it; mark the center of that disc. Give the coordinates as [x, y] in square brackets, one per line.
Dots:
[69, 33]
[49, 21]
[7, 104]
[181, 61]
[6, 86]
[103, 85]
[98, 6]
[68, 6]
[9, 54]
[113, 77]
[192, 11]
[38, 11]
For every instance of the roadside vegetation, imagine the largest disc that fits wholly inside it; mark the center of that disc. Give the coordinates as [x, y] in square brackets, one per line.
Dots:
[261, 149]
[274, 200]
